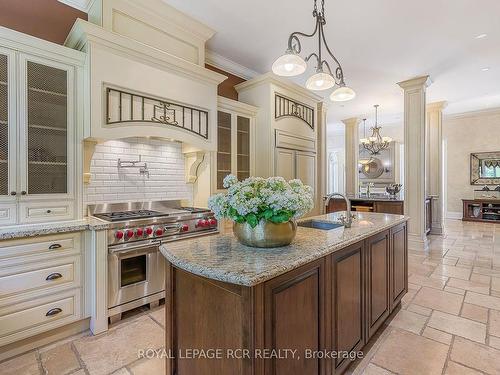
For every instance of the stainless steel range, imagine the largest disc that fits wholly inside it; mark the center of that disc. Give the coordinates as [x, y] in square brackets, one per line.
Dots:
[136, 268]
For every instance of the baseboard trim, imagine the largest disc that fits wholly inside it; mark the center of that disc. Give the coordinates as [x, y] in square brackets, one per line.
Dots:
[454, 215]
[42, 339]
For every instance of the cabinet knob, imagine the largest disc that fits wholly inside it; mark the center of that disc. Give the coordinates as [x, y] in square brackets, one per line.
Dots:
[13, 193]
[53, 311]
[53, 276]
[55, 246]
[23, 192]
[49, 211]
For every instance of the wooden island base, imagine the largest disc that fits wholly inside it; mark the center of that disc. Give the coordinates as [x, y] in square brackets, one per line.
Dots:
[335, 303]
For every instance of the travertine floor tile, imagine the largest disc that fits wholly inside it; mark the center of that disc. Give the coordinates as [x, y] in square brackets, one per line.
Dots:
[419, 309]
[371, 369]
[494, 323]
[482, 279]
[437, 335]
[494, 342]
[148, 366]
[477, 313]
[25, 364]
[159, 315]
[437, 282]
[486, 271]
[408, 321]
[452, 271]
[483, 300]
[108, 352]
[453, 368]
[495, 283]
[475, 355]
[469, 285]
[438, 300]
[456, 325]
[59, 360]
[398, 354]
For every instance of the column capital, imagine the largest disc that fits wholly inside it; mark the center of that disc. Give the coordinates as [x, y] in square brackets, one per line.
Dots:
[353, 121]
[423, 81]
[437, 106]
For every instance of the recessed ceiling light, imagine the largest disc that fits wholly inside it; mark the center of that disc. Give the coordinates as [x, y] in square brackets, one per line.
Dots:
[481, 36]
[485, 69]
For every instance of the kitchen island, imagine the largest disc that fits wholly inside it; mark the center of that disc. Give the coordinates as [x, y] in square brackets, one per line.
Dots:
[232, 309]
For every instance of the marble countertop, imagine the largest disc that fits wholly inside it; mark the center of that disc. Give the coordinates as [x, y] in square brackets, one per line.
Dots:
[221, 257]
[30, 230]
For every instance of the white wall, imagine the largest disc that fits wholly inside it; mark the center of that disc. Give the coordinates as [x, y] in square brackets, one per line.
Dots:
[463, 135]
[166, 172]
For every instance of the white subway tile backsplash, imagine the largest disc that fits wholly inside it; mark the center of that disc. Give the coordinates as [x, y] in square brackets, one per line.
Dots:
[166, 172]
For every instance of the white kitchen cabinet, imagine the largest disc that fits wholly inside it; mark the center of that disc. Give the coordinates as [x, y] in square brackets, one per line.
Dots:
[39, 148]
[235, 141]
[285, 163]
[292, 164]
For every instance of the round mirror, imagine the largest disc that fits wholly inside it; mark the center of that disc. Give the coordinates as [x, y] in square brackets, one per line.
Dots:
[372, 168]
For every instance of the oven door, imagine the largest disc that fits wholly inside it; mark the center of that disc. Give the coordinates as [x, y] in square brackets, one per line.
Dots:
[134, 272]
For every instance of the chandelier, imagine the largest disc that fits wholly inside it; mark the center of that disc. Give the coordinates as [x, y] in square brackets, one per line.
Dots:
[376, 142]
[291, 64]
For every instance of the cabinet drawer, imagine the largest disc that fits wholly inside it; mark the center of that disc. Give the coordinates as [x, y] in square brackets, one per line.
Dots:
[39, 248]
[7, 214]
[35, 212]
[30, 318]
[35, 278]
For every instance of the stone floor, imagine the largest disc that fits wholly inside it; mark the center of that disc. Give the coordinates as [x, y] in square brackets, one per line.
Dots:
[449, 322]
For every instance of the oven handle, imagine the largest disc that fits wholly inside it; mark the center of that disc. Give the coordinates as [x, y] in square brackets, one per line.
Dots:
[128, 248]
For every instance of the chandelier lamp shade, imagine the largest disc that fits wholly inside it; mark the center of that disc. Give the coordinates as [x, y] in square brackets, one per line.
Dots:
[375, 143]
[328, 74]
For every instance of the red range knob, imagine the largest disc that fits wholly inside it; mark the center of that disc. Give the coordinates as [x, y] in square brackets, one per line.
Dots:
[129, 233]
[119, 234]
[159, 232]
[185, 228]
[149, 231]
[139, 232]
[213, 222]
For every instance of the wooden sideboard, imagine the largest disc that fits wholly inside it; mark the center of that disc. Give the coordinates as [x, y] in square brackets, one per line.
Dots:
[487, 210]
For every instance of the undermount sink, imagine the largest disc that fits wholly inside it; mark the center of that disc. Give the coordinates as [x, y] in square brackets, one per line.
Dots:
[317, 224]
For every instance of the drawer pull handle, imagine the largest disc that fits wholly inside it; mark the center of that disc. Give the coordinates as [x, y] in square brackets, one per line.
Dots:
[53, 311]
[55, 246]
[23, 192]
[53, 276]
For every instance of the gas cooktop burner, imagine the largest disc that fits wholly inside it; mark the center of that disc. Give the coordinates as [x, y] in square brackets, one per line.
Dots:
[194, 210]
[129, 215]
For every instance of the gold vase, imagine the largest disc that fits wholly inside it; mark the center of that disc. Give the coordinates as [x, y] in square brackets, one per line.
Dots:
[265, 234]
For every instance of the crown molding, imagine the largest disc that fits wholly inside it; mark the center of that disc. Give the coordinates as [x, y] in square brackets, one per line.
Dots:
[423, 81]
[236, 106]
[221, 62]
[83, 5]
[482, 112]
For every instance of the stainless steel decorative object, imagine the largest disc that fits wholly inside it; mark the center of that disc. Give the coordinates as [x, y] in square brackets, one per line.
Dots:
[265, 234]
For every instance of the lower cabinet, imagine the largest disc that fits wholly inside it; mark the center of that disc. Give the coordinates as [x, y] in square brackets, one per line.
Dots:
[294, 313]
[348, 295]
[377, 281]
[398, 264]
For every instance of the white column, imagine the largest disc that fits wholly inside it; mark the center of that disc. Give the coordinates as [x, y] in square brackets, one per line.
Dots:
[414, 180]
[322, 164]
[435, 183]
[351, 154]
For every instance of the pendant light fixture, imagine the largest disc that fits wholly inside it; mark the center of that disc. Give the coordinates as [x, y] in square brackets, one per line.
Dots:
[292, 64]
[376, 142]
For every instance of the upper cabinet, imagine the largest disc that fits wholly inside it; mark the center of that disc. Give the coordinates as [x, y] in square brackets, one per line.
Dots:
[235, 141]
[39, 152]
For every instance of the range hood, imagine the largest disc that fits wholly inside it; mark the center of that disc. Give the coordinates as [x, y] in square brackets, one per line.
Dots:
[145, 74]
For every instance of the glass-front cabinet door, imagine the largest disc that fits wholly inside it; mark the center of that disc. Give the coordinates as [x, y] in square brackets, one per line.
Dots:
[234, 146]
[46, 117]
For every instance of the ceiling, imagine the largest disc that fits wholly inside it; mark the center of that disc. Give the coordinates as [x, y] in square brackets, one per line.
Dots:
[378, 42]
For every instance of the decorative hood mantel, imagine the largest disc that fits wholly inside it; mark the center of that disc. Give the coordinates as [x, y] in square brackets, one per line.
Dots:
[145, 73]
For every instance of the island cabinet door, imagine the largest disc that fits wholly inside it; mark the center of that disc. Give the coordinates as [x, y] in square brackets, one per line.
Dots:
[348, 294]
[294, 319]
[377, 285]
[399, 264]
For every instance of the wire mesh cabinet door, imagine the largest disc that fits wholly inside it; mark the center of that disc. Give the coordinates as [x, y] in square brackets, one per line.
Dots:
[47, 124]
[8, 136]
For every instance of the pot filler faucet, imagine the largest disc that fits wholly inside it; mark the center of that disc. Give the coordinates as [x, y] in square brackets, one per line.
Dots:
[345, 221]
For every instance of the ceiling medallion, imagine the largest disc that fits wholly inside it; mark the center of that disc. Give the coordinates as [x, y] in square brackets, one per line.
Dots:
[291, 64]
[376, 142]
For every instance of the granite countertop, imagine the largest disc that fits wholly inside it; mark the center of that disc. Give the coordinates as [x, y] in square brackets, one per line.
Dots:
[376, 198]
[30, 230]
[221, 257]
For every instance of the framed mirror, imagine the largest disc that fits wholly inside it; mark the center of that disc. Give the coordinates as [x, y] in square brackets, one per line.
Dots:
[485, 168]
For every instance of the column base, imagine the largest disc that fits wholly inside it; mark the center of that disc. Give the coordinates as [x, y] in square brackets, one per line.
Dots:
[419, 243]
[437, 229]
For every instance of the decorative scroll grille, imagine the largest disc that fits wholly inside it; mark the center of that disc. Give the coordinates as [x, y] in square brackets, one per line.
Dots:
[285, 107]
[128, 107]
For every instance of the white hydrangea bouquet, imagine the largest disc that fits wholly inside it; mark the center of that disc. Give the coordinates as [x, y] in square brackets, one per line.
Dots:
[257, 201]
